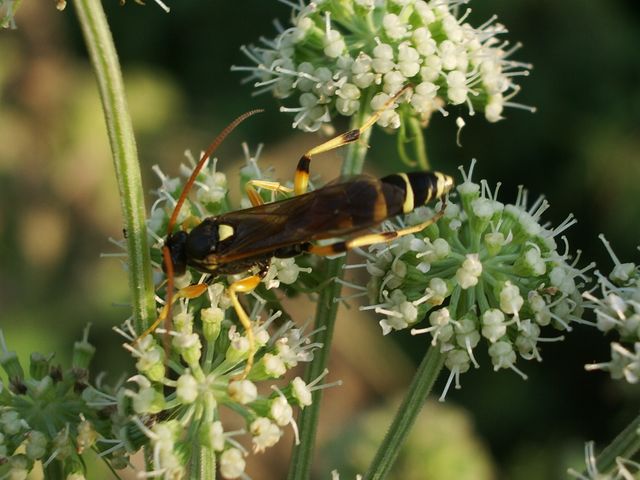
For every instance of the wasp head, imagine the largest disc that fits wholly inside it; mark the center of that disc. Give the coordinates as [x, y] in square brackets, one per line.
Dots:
[176, 242]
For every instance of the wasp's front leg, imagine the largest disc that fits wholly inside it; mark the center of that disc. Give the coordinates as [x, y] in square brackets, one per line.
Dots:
[245, 285]
[191, 291]
[254, 196]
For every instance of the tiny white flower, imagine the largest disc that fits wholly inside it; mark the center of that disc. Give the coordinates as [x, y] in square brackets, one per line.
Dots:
[510, 299]
[334, 44]
[493, 325]
[187, 388]
[265, 434]
[395, 28]
[382, 58]
[301, 392]
[281, 411]
[243, 391]
[273, 365]
[232, 463]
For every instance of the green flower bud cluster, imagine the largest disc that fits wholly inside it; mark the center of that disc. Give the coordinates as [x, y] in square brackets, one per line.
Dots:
[486, 272]
[617, 309]
[340, 55]
[43, 415]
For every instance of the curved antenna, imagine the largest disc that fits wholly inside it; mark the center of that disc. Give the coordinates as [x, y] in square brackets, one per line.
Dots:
[166, 254]
[205, 156]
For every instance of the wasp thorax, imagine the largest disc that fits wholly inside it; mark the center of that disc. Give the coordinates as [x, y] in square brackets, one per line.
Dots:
[203, 240]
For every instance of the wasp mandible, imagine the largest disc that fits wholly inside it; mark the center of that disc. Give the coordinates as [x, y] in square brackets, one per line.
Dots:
[246, 240]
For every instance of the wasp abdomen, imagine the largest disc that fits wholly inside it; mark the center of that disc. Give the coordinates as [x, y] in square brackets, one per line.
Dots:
[407, 191]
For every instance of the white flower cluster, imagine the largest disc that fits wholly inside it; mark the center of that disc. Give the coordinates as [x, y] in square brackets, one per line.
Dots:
[617, 309]
[203, 390]
[486, 271]
[194, 403]
[354, 55]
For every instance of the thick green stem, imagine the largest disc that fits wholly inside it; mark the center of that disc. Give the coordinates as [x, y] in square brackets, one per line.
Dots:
[105, 63]
[625, 445]
[326, 311]
[420, 387]
[203, 465]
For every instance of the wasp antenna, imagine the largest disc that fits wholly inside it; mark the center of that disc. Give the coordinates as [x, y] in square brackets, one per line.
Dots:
[210, 150]
[166, 256]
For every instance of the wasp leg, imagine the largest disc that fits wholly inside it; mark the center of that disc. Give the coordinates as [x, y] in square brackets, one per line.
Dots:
[245, 285]
[301, 178]
[254, 196]
[370, 239]
[192, 291]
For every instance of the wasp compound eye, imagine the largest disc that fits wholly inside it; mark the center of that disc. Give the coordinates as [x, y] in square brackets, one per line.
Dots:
[177, 243]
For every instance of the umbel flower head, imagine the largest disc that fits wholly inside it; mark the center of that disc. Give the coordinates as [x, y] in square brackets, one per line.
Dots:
[351, 55]
[194, 403]
[487, 272]
[617, 308]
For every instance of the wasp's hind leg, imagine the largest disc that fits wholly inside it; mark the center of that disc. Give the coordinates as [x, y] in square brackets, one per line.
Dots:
[373, 238]
[301, 179]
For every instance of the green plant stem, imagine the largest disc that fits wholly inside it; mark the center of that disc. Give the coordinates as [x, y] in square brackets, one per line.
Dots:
[421, 385]
[204, 463]
[419, 145]
[300, 466]
[54, 471]
[625, 445]
[105, 63]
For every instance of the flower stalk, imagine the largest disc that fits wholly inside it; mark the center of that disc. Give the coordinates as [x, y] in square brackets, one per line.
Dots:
[420, 388]
[327, 309]
[625, 445]
[105, 63]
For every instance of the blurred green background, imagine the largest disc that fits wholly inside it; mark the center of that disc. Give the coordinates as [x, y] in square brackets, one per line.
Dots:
[59, 206]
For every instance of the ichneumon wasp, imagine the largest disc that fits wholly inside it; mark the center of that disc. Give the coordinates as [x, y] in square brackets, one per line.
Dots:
[246, 240]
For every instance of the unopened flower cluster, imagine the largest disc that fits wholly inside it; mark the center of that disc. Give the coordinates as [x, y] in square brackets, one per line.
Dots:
[354, 55]
[486, 272]
[43, 417]
[617, 307]
[196, 404]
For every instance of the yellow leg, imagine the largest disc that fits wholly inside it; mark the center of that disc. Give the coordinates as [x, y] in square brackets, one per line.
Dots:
[244, 286]
[370, 239]
[192, 291]
[254, 196]
[301, 179]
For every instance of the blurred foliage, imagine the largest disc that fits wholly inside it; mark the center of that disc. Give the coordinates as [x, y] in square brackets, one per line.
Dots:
[59, 205]
[442, 445]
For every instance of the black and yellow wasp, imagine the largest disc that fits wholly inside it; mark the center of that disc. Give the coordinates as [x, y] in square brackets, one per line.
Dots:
[247, 240]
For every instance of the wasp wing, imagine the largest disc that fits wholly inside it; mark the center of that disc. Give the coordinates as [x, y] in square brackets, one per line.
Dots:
[338, 209]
